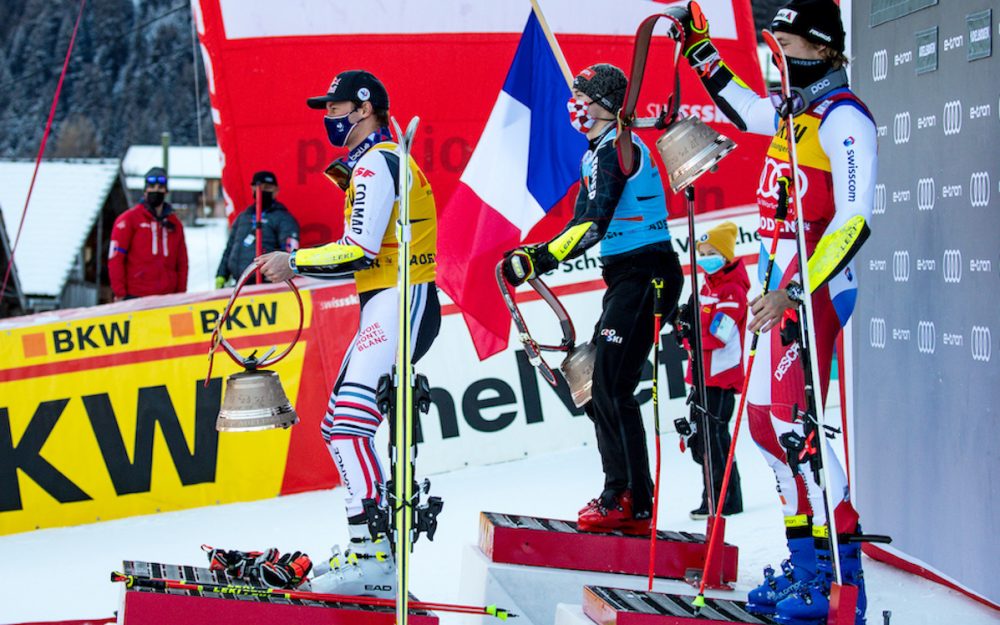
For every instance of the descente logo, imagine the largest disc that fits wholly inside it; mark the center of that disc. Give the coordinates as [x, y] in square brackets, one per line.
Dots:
[789, 357]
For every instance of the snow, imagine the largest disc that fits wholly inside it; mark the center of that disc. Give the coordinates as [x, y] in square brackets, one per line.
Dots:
[553, 484]
[205, 244]
[65, 202]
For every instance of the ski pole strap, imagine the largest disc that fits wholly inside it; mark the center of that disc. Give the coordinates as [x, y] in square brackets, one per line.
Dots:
[626, 115]
[250, 362]
[531, 347]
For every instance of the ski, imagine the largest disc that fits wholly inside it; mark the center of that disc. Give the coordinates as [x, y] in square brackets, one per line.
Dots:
[160, 583]
[403, 451]
[813, 419]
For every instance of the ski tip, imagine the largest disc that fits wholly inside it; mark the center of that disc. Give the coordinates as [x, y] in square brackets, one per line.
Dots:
[699, 601]
[118, 577]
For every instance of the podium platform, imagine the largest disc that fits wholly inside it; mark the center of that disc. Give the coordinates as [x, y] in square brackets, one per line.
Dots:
[144, 606]
[619, 606]
[553, 543]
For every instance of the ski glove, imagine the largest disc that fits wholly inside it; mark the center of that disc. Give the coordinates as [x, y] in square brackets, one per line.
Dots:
[519, 264]
[289, 571]
[238, 563]
[219, 282]
[698, 47]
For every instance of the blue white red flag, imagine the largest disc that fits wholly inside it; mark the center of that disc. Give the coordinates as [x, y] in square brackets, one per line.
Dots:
[525, 161]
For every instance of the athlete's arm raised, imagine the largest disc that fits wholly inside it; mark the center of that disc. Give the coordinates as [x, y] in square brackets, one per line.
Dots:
[744, 108]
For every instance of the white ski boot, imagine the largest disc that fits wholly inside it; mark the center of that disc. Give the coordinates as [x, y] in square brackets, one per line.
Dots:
[366, 568]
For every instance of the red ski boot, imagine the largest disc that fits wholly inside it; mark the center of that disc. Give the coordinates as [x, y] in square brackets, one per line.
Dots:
[617, 517]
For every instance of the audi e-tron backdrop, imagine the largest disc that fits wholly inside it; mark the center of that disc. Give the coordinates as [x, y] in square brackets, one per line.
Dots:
[927, 325]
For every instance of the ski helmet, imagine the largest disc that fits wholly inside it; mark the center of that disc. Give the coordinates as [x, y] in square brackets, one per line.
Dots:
[603, 83]
[816, 20]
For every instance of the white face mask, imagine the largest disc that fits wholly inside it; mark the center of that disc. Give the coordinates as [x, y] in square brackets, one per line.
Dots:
[578, 115]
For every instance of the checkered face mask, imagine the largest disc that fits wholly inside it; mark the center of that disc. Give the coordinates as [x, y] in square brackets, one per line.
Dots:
[578, 115]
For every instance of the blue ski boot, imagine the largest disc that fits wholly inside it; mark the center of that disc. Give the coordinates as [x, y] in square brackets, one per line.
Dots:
[799, 567]
[810, 604]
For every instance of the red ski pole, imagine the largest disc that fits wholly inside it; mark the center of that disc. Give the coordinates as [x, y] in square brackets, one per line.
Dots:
[156, 583]
[657, 326]
[258, 230]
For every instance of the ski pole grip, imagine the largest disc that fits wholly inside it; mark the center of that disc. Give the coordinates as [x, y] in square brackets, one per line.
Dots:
[782, 210]
[658, 296]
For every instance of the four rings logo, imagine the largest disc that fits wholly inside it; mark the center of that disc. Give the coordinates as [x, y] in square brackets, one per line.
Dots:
[773, 170]
[878, 206]
[951, 267]
[876, 332]
[901, 128]
[982, 344]
[925, 194]
[926, 337]
[880, 65]
[979, 189]
[901, 265]
[952, 117]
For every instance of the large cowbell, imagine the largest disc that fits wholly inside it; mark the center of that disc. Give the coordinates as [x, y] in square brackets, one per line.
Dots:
[690, 148]
[255, 400]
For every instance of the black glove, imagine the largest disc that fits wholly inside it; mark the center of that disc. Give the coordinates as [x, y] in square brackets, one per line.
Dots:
[519, 264]
[289, 571]
[789, 327]
[683, 323]
[238, 563]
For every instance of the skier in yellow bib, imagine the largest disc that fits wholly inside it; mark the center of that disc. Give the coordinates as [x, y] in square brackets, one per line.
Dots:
[357, 117]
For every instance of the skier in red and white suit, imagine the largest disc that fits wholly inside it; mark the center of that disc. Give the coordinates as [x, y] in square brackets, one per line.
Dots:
[835, 137]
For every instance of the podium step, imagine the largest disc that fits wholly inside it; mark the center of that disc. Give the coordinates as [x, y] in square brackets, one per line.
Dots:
[616, 606]
[144, 606]
[534, 541]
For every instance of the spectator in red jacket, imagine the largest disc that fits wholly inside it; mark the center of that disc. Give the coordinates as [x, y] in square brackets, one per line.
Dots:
[148, 255]
[723, 301]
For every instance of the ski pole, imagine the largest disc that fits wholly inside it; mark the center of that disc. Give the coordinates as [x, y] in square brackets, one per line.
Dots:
[657, 326]
[697, 370]
[779, 221]
[810, 364]
[157, 583]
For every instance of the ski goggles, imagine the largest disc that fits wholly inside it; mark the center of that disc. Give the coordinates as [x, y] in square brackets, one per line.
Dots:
[156, 180]
[339, 173]
[793, 105]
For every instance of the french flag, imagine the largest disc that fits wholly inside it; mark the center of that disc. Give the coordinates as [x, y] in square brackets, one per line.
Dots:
[525, 161]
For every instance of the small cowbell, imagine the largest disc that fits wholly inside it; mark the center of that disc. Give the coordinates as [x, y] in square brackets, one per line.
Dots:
[578, 369]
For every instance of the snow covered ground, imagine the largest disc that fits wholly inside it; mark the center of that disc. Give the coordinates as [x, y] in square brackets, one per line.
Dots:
[554, 485]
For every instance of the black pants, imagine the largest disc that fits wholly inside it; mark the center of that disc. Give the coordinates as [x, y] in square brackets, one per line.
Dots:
[623, 337]
[720, 404]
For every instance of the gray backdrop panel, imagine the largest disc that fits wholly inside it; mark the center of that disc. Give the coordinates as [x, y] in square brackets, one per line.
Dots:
[927, 326]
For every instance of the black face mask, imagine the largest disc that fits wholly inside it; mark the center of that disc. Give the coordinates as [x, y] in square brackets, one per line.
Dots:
[266, 199]
[803, 72]
[155, 198]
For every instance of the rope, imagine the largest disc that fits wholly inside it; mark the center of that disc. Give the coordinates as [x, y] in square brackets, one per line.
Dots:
[41, 148]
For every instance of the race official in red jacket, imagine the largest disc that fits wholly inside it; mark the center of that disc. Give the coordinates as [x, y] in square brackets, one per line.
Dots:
[723, 300]
[148, 255]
